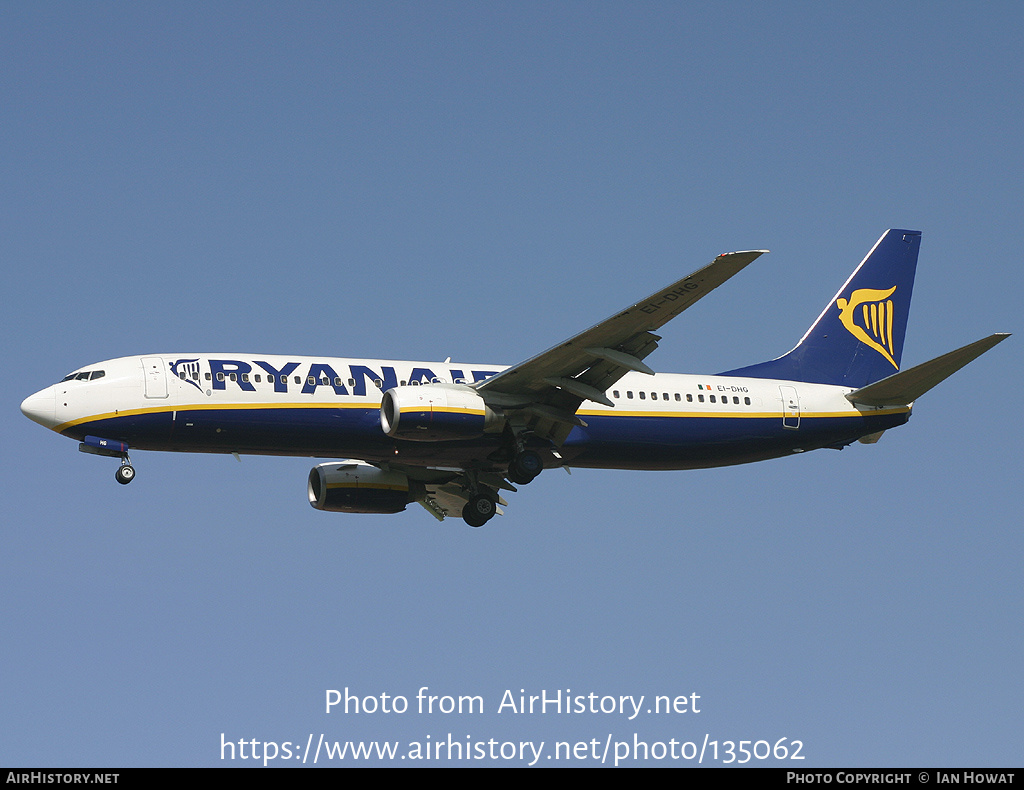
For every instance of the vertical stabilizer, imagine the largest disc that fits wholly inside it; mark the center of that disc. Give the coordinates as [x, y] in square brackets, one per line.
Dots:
[858, 338]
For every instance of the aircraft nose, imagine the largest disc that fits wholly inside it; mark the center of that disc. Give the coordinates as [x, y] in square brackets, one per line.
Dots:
[41, 407]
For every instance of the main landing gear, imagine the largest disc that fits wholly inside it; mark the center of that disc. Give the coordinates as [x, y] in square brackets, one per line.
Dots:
[479, 510]
[525, 465]
[482, 504]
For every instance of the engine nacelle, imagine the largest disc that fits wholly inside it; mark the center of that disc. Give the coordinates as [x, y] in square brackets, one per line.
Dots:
[354, 487]
[433, 412]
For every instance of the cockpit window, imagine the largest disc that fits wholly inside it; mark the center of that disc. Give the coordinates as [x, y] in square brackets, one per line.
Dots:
[85, 375]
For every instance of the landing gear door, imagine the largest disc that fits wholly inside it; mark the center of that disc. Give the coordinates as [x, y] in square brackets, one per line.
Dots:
[155, 374]
[790, 407]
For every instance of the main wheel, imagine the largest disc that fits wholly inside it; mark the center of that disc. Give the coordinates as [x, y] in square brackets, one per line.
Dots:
[124, 474]
[524, 467]
[478, 510]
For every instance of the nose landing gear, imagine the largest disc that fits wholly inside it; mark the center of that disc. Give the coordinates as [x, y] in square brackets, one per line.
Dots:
[125, 472]
[95, 445]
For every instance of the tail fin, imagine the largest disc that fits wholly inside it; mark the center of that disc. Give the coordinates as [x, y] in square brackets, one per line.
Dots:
[858, 338]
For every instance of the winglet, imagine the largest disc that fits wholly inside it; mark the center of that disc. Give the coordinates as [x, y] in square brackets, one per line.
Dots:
[908, 385]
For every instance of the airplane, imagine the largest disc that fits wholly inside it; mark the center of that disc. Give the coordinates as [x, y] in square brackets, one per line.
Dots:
[452, 436]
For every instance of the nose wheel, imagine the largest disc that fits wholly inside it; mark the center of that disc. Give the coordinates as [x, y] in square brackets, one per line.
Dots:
[125, 473]
[111, 448]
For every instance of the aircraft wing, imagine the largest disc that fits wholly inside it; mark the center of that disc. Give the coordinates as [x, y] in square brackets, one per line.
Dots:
[546, 390]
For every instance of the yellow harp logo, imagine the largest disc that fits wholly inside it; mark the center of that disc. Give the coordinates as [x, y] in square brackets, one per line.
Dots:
[872, 323]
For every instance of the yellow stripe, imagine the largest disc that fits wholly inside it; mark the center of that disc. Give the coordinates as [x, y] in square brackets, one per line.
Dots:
[446, 409]
[741, 415]
[582, 412]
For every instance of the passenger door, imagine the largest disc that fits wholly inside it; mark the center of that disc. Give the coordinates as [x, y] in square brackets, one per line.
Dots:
[790, 407]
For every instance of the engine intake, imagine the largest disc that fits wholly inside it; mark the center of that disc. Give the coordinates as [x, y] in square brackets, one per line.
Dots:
[437, 412]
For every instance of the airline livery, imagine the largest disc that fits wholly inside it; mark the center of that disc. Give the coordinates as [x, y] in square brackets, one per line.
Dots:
[451, 436]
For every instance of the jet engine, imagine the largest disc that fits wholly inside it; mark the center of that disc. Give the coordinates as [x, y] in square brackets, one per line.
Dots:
[355, 487]
[437, 412]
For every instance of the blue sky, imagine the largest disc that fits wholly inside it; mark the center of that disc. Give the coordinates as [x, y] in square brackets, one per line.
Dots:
[479, 181]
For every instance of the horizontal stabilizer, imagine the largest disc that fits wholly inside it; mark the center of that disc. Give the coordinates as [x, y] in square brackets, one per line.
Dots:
[908, 385]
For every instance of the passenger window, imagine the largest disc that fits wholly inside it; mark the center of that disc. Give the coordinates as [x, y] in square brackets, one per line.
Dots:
[234, 377]
[643, 396]
[735, 399]
[245, 377]
[257, 378]
[689, 398]
[220, 376]
[311, 380]
[208, 376]
[615, 393]
[298, 379]
[700, 397]
[746, 401]
[664, 396]
[629, 394]
[712, 398]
